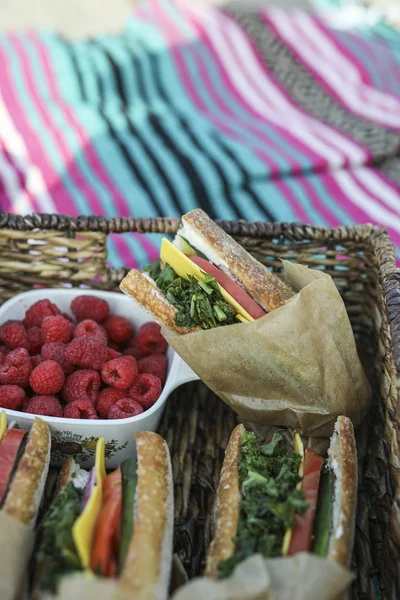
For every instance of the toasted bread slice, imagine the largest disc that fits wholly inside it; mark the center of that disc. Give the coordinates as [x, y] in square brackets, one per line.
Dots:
[148, 563]
[26, 489]
[226, 512]
[151, 299]
[343, 462]
[224, 252]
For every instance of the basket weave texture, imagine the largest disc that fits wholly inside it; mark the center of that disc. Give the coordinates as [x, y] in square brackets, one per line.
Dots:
[54, 250]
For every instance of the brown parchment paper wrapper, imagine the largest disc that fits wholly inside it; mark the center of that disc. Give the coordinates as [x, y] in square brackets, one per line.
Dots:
[300, 577]
[296, 367]
[16, 542]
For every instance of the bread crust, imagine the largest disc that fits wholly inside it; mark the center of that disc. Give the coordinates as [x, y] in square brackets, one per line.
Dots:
[226, 516]
[64, 475]
[139, 288]
[264, 287]
[343, 461]
[147, 567]
[23, 498]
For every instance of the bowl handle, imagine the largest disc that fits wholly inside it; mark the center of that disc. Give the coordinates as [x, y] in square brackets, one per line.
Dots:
[185, 374]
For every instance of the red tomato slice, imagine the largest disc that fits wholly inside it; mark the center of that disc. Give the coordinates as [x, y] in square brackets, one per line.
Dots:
[231, 287]
[8, 454]
[302, 533]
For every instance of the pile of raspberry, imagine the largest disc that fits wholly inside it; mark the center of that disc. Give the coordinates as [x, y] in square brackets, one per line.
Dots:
[94, 366]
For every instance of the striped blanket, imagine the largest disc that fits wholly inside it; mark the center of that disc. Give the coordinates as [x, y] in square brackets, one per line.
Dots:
[266, 115]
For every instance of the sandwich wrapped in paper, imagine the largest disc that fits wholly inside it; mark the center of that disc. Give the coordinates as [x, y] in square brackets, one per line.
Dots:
[24, 464]
[284, 520]
[279, 353]
[109, 535]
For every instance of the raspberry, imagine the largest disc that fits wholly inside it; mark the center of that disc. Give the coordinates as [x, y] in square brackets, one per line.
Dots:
[44, 405]
[135, 352]
[25, 403]
[36, 360]
[47, 378]
[38, 311]
[107, 398]
[3, 356]
[82, 385]
[150, 340]
[35, 339]
[155, 364]
[56, 329]
[120, 372]
[125, 408]
[11, 396]
[88, 351]
[89, 327]
[111, 353]
[90, 307]
[13, 335]
[114, 346]
[118, 329]
[56, 351]
[16, 368]
[80, 409]
[145, 390]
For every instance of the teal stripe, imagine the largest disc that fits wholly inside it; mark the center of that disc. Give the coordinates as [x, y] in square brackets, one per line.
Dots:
[317, 181]
[215, 76]
[274, 201]
[294, 184]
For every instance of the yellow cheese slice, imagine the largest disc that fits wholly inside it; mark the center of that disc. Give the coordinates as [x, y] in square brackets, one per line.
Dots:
[298, 448]
[3, 424]
[183, 266]
[99, 465]
[82, 530]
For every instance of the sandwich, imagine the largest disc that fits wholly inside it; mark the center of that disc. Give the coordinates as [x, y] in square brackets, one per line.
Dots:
[204, 279]
[117, 525]
[24, 464]
[276, 499]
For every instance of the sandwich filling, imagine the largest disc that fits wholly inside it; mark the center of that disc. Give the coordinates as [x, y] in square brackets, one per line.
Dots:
[279, 487]
[204, 296]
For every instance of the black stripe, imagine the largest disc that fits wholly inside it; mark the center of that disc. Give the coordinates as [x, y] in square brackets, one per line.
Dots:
[186, 127]
[113, 132]
[246, 180]
[187, 164]
[135, 133]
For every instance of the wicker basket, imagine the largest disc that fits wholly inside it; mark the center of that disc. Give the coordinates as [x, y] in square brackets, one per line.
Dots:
[33, 251]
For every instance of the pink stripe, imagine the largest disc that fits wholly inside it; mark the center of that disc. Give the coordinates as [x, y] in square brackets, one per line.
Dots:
[85, 142]
[383, 182]
[35, 148]
[364, 106]
[283, 132]
[287, 193]
[178, 52]
[67, 156]
[317, 202]
[368, 49]
[321, 131]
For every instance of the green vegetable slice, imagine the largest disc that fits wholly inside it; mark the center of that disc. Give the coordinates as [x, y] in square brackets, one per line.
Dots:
[268, 475]
[129, 484]
[323, 517]
[57, 554]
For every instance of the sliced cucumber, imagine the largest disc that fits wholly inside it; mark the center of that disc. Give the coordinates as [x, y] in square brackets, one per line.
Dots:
[184, 246]
[129, 483]
[323, 517]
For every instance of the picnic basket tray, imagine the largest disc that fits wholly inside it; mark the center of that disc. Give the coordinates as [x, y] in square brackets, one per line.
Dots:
[54, 250]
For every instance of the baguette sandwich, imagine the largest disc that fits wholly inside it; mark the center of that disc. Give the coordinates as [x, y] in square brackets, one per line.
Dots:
[277, 500]
[24, 464]
[116, 526]
[204, 279]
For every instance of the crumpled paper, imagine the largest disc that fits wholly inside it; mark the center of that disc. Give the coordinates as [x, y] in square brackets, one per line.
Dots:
[297, 366]
[16, 541]
[300, 577]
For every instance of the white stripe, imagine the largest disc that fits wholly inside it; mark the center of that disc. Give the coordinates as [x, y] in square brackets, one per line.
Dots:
[349, 97]
[378, 186]
[33, 178]
[360, 198]
[18, 198]
[278, 110]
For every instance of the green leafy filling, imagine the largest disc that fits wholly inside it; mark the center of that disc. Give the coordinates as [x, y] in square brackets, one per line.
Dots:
[199, 303]
[268, 475]
[57, 554]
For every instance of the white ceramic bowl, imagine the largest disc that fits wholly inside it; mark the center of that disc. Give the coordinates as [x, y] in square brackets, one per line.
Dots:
[77, 438]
